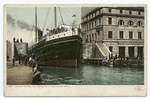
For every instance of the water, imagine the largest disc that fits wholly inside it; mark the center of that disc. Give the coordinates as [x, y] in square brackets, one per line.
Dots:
[92, 75]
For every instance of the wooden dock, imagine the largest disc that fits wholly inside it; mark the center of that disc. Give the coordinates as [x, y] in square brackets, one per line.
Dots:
[97, 61]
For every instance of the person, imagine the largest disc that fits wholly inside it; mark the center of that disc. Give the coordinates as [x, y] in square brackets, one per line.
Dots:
[13, 61]
[37, 79]
[26, 60]
[30, 59]
[19, 58]
[7, 57]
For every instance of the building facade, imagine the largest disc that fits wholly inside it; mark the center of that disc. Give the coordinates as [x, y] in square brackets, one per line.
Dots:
[112, 30]
[9, 50]
[15, 49]
[20, 48]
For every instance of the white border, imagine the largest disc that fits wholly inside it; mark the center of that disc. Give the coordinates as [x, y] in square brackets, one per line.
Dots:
[66, 1]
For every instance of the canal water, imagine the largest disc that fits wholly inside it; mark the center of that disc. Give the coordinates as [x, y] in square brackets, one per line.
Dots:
[92, 75]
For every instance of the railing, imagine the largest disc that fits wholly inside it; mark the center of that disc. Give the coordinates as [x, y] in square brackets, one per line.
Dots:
[100, 49]
[107, 48]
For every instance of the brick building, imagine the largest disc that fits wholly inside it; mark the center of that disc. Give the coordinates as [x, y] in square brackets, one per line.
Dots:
[112, 30]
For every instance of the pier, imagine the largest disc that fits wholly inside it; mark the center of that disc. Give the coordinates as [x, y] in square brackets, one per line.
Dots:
[97, 61]
[20, 74]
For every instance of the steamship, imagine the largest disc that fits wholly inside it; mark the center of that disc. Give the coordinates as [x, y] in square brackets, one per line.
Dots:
[60, 46]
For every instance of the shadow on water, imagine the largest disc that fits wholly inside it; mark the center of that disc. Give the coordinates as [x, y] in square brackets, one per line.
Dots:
[92, 75]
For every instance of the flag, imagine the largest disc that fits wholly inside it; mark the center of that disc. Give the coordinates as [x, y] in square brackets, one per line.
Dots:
[73, 15]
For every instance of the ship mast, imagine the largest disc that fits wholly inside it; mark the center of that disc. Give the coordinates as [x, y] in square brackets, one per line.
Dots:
[55, 17]
[35, 24]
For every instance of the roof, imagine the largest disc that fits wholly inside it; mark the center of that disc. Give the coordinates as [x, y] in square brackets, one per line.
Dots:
[123, 8]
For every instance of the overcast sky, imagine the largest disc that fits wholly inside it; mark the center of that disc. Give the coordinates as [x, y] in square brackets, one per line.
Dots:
[20, 20]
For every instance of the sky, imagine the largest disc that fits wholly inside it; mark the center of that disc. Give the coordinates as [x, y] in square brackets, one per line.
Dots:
[20, 20]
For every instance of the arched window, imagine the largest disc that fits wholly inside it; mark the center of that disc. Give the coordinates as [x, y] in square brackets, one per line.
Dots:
[121, 22]
[130, 23]
[139, 23]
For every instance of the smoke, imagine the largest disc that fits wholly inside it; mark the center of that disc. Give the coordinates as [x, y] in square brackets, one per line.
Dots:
[20, 24]
[10, 20]
[24, 25]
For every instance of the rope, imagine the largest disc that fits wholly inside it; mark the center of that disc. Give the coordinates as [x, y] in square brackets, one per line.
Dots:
[61, 16]
[46, 19]
[43, 30]
[66, 16]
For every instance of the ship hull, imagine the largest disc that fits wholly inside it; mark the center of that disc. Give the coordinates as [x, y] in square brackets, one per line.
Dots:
[60, 63]
[63, 52]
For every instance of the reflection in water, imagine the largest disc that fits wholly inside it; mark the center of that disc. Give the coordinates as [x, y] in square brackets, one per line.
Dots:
[93, 75]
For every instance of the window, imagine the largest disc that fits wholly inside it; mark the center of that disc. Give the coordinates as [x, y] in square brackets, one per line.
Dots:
[87, 26]
[90, 39]
[95, 23]
[92, 36]
[109, 34]
[139, 35]
[139, 13]
[130, 23]
[121, 22]
[95, 36]
[109, 21]
[95, 13]
[100, 21]
[121, 34]
[139, 23]
[109, 10]
[87, 39]
[130, 12]
[130, 35]
[140, 52]
[99, 10]
[99, 33]
[92, 24]
[120, 11]
[110, 48]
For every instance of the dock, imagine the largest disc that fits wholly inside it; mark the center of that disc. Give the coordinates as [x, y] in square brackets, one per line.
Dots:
[19, 74]
[97, 61]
